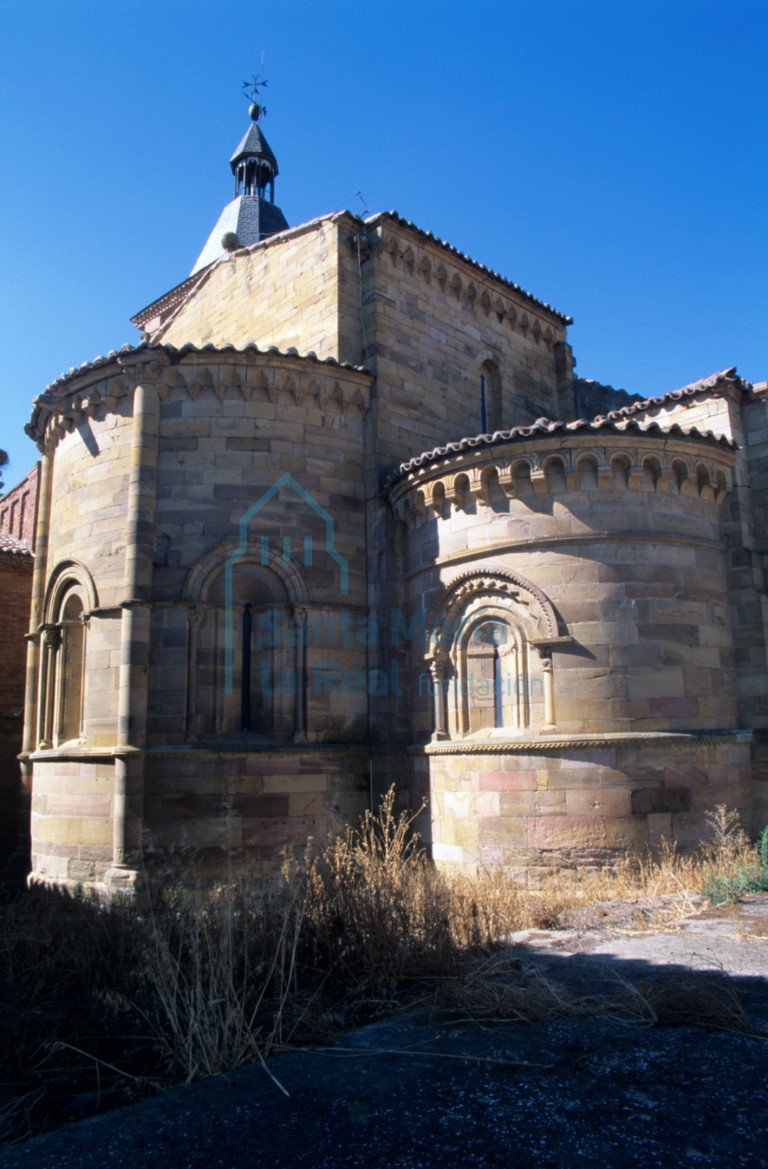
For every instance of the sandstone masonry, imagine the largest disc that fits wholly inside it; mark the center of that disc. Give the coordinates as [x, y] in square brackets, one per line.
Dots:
[318, 532]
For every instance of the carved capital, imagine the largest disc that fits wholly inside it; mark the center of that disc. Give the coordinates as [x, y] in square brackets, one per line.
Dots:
[51, 637]
[195, 616]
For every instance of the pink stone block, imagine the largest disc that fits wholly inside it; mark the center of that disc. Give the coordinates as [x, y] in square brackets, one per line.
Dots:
[547, 832]
[508, 781]
[690, 828]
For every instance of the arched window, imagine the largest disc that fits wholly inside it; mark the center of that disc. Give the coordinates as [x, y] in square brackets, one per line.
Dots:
[485, 649]
[71, 681]
[489, 655]
[62, 669]
[246, 669]
[491, 683]
[490, 397]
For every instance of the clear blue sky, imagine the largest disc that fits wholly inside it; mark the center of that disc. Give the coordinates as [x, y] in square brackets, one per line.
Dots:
[608, 155]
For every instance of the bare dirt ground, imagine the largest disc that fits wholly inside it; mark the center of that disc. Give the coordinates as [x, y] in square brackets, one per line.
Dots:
[651, 1050]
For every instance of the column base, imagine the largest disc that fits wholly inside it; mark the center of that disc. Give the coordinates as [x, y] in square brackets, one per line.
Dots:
[121, 880]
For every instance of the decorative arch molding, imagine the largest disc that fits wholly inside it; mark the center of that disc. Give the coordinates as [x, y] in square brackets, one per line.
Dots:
[202, 574]
[482, 637]
[69, 574]
[502, 583]
[70, 600]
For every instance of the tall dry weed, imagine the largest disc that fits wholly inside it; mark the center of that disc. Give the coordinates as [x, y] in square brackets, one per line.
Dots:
[103, 1001]
[219, 972]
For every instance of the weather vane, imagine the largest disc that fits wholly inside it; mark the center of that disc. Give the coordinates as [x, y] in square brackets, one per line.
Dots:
[251, 91]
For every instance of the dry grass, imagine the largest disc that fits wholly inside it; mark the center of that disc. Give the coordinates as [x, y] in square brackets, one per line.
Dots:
[102, 1003]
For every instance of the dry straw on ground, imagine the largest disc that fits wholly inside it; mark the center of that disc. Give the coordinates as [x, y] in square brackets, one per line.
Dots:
[104, 1003]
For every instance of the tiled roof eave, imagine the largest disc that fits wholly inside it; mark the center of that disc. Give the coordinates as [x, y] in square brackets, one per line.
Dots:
[724, 380]
[116, 356]
[169, 300]
[11, 546]
[119, 359]
[544, 428]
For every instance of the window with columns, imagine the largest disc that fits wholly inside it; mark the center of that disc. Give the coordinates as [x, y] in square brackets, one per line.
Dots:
[246, 662]
[490, 661]
[61, 702]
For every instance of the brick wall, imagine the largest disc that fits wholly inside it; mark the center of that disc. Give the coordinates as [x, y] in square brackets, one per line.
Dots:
[18, 508]
[15, 589]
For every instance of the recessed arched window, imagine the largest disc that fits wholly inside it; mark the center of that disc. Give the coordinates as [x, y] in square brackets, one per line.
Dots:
[491, 683]
[62, 669]
[490, 669]
[490, 397]
[485, 651]
[244, 671]
[71, 669]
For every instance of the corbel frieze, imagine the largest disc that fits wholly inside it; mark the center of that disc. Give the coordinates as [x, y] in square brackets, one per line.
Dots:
[493, 476]
[418, 261]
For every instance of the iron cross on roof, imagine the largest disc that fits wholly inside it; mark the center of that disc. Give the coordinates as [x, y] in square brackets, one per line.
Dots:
[251, 91]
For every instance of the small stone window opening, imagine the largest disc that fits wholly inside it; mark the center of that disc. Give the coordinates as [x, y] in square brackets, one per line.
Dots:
[490, 398]
[62, 675]
[245, 671]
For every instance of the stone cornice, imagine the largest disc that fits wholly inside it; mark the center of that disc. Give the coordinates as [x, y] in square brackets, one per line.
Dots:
[222, 371]
[109, 754]
[603, 430]
[545, 744]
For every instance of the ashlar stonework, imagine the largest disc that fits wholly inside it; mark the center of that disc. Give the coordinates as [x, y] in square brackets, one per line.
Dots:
[257, 603]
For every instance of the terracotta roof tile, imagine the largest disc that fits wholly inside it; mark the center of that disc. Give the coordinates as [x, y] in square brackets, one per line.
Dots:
[544, 427]
[9, 544]
[716, 381]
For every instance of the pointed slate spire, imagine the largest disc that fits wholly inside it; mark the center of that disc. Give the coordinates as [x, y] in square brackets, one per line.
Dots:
[252, 215]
